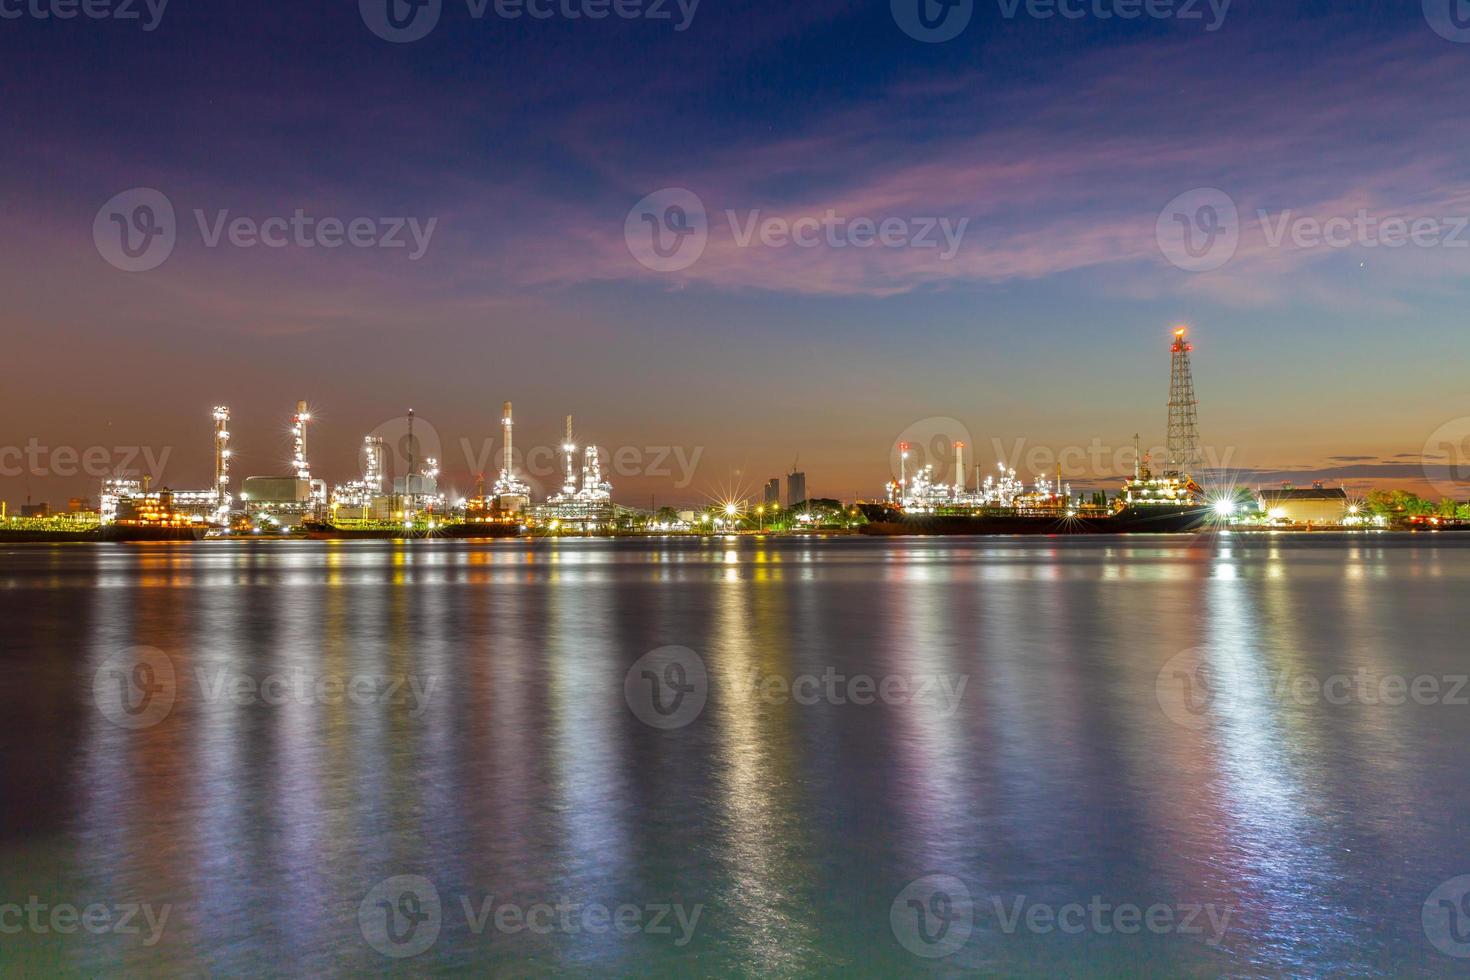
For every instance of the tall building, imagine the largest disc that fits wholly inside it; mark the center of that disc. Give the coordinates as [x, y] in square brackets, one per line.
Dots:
[773, 492]
[795, 488]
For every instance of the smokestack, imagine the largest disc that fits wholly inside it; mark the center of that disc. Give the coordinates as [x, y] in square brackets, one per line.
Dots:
[222, 462]
[298, 434]
[569, 447]
[959, 466]
[506, 421]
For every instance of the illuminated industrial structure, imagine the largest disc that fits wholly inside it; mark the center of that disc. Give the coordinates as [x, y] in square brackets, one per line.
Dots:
[924, 495]
[1183, 443]
[585, 508]
[569, 451]
[298, 442]
[512, 494]
[126, 498]
[364, 496]
[287, 496]
[1175, 487]
[223, 502]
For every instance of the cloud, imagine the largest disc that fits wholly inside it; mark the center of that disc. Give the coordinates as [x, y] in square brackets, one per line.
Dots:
[1049, 187]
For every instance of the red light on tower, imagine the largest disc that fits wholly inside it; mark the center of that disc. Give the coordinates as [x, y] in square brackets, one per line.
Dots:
[1180, 344]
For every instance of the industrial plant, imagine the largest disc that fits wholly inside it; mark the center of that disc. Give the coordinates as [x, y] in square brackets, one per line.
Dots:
[411, 503]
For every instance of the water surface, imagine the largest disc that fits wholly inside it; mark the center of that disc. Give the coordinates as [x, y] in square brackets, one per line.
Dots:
[1059, 755]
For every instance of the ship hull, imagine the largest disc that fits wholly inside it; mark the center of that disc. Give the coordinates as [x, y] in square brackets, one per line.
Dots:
[144, 532]
[322, 530]
[10, 535]
[487, 530]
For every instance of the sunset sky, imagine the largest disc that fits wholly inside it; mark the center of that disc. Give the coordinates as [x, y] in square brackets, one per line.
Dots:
[1057, 142]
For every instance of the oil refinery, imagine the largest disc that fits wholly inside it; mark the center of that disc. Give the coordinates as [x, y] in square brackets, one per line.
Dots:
[411, 503]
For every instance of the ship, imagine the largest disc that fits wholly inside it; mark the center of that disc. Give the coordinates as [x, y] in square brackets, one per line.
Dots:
[153, 517]
[484, 517]
[1167, 503]
[1171, 503]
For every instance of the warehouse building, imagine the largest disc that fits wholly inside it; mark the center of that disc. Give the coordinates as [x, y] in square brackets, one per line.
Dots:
[1317, 505]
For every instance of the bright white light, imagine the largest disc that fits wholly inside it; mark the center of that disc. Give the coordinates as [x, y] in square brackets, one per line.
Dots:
[1224, 508]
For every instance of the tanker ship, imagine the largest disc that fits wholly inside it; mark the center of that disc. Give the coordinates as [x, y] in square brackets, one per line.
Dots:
[1149, 504]
[153, 517]
[1169, 503]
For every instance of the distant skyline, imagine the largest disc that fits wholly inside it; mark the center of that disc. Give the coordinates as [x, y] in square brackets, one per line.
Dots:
[1044, 158]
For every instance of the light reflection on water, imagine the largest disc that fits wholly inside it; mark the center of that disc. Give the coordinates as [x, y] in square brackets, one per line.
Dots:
[1057, 775]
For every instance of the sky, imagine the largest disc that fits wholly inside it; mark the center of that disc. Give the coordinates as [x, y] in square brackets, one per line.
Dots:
[981, 225]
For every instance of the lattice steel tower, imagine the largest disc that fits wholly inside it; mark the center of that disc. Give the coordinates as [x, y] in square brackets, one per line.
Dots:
[1183, 448]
